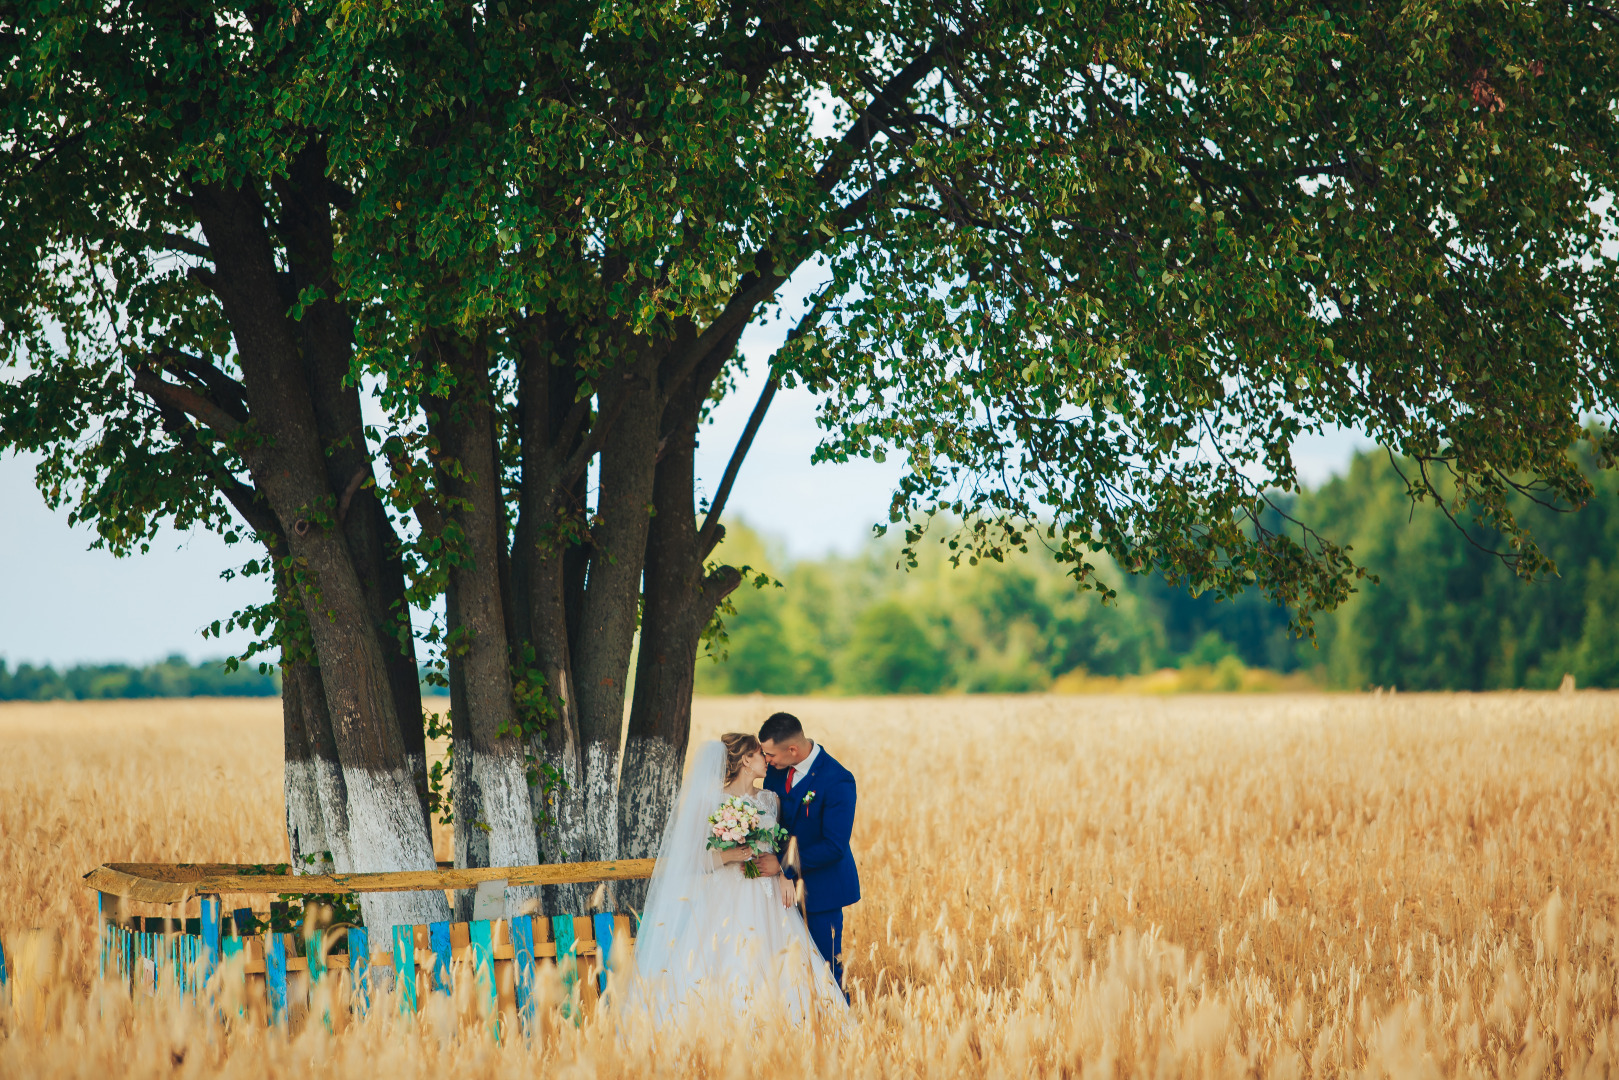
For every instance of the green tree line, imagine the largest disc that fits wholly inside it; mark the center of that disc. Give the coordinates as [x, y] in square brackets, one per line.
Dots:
[1445, 613]
[170, 678]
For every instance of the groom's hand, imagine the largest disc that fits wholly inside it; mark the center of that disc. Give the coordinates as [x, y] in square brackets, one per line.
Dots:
[768, 864]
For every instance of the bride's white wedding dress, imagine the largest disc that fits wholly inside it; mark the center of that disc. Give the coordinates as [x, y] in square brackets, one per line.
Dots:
[712, 936]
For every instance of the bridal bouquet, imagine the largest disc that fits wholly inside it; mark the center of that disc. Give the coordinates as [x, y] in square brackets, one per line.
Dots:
[737, 823]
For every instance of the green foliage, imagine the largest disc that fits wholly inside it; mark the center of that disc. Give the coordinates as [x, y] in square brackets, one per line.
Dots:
[889, 653]
[1243, 224]
[860, 625]
[171, 678]
[1447, 613]
[1441, 611]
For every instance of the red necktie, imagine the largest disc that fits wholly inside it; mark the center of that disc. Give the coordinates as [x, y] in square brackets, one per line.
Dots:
[791, 769]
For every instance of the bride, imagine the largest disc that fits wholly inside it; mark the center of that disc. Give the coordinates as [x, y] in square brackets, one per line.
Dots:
[711, 935]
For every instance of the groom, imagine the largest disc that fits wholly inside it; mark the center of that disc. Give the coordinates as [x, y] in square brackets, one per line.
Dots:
[817, 809]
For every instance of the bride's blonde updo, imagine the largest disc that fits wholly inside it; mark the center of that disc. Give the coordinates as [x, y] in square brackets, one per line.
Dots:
[738, 746]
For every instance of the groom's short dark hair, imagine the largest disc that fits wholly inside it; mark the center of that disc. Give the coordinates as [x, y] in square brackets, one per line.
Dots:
[780, 727]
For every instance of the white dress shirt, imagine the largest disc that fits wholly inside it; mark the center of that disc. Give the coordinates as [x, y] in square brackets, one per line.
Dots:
[803, 767]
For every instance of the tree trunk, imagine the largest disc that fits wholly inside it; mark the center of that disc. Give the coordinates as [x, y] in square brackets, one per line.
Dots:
[680, 599]
[612, 603]
[300, 686]
[492, 793]
[326, 337]
[466, 801]
[387, 825]
[546, 540]
[309, 849]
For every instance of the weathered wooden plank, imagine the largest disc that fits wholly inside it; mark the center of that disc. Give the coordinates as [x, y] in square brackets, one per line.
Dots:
[316, 957]
[173, 884]
[566, 953]
[405, 966]
[209, 913]
[505, 992]
[360, 964]
[146, 973]
[624, 926]
[136, 887]
[604, 946]
[439, 938]
[584, 934]
[103, 938]
[483, 959]
[468, 955]
[523, 966]
[275, 976]
[190, 952]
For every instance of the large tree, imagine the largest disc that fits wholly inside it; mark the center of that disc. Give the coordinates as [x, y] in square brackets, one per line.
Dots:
[433, 300]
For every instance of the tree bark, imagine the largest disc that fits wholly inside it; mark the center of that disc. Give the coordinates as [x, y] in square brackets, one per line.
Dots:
[546, 541]
[326, 335]
[680, 599]
[492, 792]
[387, 825]
[308, 848]
[320, 775]
[609, 617]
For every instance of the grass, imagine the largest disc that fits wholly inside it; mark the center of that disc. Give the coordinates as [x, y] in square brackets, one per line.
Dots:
[1278, 885]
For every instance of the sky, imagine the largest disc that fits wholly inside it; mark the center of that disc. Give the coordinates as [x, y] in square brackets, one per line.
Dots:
[63, 603]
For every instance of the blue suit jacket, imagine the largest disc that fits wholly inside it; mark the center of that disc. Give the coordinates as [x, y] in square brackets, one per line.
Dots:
[822, 826]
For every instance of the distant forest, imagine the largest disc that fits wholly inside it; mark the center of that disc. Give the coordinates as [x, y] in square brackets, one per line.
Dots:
[174, 677]
[1446, 615]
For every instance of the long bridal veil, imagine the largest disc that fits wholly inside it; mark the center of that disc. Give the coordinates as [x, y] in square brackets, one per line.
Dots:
[668, 958]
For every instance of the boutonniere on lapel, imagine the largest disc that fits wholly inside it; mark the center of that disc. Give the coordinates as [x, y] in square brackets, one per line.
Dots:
[806, 800]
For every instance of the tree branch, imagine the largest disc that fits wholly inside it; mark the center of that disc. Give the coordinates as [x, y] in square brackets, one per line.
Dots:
[753, 291]
[760, 285]
[1605, 14]
[428, 515]
[579, 460]
[871, 121]
[244, 497]
[172, 241]
[226, 392]
[708, 535]
[185, 400]
[349, 493]
[251, 505]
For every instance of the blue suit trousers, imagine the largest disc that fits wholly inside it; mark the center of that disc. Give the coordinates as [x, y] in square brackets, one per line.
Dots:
[826, 929]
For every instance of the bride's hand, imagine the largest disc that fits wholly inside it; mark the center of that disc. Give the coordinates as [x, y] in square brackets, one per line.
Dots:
[735, 855]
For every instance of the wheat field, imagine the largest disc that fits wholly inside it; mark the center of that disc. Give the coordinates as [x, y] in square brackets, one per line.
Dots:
[1267, 885]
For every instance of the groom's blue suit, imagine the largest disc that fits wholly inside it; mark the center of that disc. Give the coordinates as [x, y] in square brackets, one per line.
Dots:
[819, 813]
